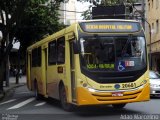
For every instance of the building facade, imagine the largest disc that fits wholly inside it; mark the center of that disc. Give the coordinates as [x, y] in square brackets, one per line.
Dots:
[68, 12]
[153, 18]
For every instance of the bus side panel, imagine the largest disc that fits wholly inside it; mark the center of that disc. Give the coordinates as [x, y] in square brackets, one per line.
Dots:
[36, 69]
[36, 76]
[52, 81]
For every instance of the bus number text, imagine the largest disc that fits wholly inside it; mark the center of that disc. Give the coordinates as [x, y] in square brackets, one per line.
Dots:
[129, 85]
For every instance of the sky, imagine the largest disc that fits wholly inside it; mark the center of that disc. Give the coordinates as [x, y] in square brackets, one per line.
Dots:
[81, 7]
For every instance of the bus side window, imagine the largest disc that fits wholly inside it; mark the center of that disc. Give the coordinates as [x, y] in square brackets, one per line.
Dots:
[36, 57]
[61, 50]
[52, 53]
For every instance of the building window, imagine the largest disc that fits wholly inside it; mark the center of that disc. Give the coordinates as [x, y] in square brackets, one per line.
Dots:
[152, 26]
[61, 50]
[152, 3]
[52, 53]
[149, 6]
[157, 4]
[157, 26]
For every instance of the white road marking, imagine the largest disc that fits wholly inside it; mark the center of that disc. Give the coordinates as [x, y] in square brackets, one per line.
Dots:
[7, 101]
[40, 104]
[22, 103]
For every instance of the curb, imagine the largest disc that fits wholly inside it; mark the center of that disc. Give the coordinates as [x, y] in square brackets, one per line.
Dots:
[8, 90]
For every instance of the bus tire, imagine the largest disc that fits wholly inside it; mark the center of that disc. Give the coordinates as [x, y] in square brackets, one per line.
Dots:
[118, 106]
[63, 99]
[36, 94]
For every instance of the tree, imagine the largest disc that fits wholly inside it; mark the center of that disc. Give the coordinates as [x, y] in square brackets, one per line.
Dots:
[10, 13]
[87, 13]
[26, 21]
[40, 19]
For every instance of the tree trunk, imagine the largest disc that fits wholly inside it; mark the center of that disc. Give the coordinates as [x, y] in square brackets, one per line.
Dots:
[2, 66]
[4, 54]
[2, 72]
[17, 78]
[18, 67]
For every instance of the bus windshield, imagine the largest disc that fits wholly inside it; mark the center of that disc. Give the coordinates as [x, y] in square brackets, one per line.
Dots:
[118, 53]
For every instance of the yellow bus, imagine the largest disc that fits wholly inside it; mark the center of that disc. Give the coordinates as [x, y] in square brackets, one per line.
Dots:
[92, 62]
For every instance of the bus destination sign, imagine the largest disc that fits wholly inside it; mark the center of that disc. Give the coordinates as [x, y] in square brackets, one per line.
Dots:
[111, 27]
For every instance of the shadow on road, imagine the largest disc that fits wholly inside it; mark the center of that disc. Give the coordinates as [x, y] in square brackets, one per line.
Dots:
[53, 102]
[91, 111]
[155, 97]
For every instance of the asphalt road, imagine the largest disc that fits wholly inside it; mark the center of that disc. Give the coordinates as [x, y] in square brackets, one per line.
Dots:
[20, 104]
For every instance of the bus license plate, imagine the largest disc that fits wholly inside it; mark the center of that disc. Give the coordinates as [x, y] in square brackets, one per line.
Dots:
[117, 94]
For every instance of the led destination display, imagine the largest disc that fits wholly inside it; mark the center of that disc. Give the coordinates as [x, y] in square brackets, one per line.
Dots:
[112, 27]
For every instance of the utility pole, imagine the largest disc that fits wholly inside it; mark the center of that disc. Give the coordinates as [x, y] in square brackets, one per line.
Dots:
[143, 11]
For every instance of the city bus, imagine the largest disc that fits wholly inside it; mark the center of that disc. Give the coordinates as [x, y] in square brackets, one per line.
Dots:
[91, 62]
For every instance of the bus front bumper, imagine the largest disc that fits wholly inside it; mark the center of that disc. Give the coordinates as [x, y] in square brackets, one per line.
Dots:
[84, 97]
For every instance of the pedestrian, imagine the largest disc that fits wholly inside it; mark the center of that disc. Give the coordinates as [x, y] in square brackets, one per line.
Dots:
[20, 73]
[15, 72]
[156, 71]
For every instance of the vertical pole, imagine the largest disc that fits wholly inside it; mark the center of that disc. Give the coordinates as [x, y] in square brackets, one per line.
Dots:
[7, 64]
[65, 13]
[18, 68]
[1, 72]
[143, 15]
[150, 50]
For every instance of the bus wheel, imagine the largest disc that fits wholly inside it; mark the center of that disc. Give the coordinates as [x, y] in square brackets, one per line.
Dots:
[36, 94]
[63, 99]
[118, 106]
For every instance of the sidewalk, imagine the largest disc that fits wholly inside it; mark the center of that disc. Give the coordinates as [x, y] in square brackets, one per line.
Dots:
[12, 84]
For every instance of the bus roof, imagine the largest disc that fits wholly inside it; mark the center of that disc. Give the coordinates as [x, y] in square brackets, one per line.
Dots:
[55, 35]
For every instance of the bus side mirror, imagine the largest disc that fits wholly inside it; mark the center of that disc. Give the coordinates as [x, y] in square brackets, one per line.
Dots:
[75, 47]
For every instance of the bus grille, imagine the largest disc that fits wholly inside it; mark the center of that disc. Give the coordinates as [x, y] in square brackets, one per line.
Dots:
[109, 97]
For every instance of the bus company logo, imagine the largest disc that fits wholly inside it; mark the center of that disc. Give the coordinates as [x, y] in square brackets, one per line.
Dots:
[116, 86]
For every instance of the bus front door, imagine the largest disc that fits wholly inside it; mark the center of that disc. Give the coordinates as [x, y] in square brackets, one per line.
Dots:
[44, 71]
[72, 66]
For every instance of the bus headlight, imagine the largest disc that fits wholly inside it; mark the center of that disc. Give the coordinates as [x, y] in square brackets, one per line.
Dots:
[91, 90]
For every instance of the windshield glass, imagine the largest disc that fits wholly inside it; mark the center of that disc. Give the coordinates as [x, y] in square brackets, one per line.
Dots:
[154, 75]
[113, 53]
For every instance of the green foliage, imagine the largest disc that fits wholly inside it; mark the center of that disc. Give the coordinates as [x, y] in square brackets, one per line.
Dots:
[87, 14]
[107, 2]
[10, 13]
[40, 18]
[30, 19]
